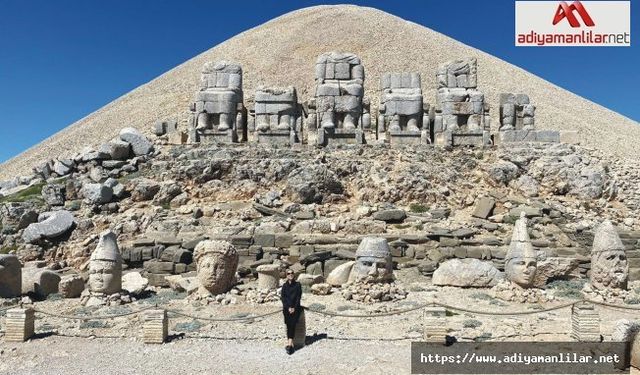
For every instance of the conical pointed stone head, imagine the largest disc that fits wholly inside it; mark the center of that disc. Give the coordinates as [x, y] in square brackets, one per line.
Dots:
[520, 246]
[107, 248]
[520, 261]
[606, 238]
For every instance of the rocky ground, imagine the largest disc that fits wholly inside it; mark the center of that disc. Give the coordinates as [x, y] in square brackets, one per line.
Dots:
[335, 344]
[307, 209]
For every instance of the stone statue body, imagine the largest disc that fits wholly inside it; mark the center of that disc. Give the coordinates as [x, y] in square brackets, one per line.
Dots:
[220, 94]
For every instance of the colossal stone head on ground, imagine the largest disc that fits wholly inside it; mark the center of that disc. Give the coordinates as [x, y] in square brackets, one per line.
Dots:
[217, 263]
[521, 261]
[609, 265]
[105, 267]
[373, 261]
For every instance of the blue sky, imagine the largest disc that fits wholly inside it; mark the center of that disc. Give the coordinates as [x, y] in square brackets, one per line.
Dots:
[61, 60]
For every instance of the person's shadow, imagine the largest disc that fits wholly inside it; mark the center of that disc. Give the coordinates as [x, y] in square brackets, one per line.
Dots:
[310, 340]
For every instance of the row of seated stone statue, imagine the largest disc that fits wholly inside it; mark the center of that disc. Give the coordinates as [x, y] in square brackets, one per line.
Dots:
[340, 113]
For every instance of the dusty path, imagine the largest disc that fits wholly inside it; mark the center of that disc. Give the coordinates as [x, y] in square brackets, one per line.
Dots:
[70, 356]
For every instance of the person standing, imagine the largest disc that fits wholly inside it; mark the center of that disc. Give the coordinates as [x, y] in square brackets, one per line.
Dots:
[290, 295]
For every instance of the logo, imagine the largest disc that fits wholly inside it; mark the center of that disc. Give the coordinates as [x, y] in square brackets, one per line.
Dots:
[576, 24]
[566, 11]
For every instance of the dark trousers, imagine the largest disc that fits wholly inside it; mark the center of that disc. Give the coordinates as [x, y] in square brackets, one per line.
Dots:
[290, 320]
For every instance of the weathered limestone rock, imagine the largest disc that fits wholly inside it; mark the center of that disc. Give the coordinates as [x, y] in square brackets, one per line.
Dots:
[462, 115]
[268, 276]
[53, 194]
[218, 113]
[373, 261]
[97, 194]
[50, 225]
[555, 268]
[340, 274]
[277, 116]
[467, 273]
[217, 262]
[19, 324]
[39, 282]
[403, 115]
[310, 184]
[63, 167]
[484, 207]
[321, 289]
[390, 216]
[121, 150]
[521, 261]
[134, 283]
[105, 266]
[338, 111]
[10, 276]
[71, 286]
[609, 264]
[140, 145]
[17, 215]
[155, 327]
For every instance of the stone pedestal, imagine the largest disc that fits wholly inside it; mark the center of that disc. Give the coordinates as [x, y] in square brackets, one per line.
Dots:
[19, 326]
[156, 327]
[215, 136]
[301, 332]
[635, 351]
[585, 323]
[339, 136]
[268, 276]
[277, 137]
[409, 138]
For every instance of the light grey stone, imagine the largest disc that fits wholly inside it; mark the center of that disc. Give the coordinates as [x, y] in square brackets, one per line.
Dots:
[51, 225]
[134, 283]
[97, 194]
[117, 150]
[71, 286]
[39, 282]
[140, 145]
[466, 273]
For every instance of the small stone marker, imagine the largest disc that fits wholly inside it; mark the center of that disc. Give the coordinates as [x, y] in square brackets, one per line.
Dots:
[434, 325]
[19, 325]
[156, 327]
[585, 323]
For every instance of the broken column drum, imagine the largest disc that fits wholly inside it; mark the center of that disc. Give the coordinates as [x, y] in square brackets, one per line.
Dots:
[218, 113]
[339, 113]
[403, 116]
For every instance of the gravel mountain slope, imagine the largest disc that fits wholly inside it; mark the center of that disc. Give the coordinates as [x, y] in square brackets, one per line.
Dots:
[283, 51]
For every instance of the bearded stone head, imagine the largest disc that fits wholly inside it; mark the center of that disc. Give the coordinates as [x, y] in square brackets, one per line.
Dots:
[373, 261]
[609, 265]
[217, 263]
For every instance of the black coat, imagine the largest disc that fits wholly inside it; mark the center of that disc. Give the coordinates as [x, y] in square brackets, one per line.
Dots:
[291, 294]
